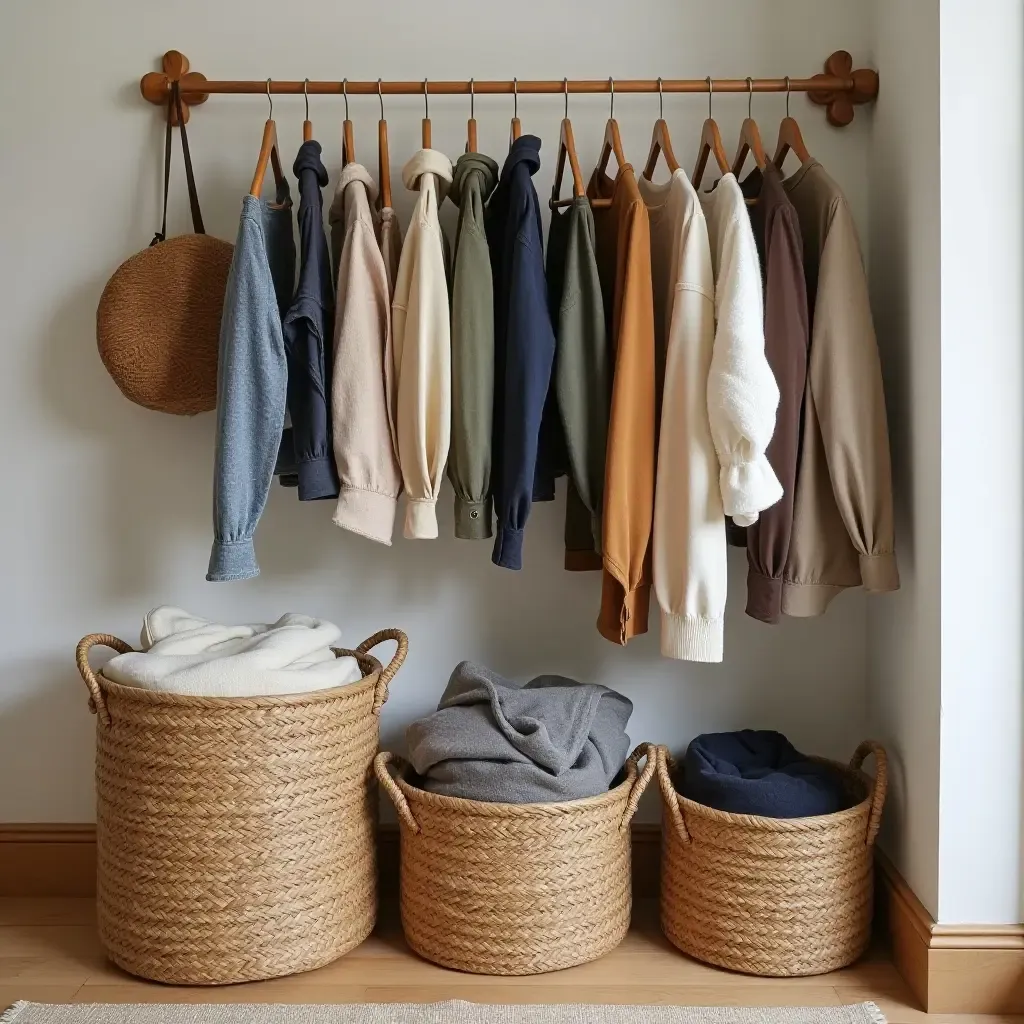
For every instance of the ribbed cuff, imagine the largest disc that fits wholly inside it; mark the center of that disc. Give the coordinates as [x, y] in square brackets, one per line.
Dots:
[317, 479]
[421, 519]
[232, 560]
[508, 548]
[764, 597]
[368, 513]
[748, 488]
[687, 638]
[879, 572]
[473, 519]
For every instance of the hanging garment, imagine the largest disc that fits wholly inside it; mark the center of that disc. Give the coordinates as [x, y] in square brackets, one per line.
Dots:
[524, 345]
[469, 464]
[690, 564]
[389, 237]
[623, 249]
[742, 393]
[364, 452]
[252, 382]
[184, 654]
[576, 420]
[422, 347]
[786, 337]
[843, 517]
[308, 330]
[496, 740]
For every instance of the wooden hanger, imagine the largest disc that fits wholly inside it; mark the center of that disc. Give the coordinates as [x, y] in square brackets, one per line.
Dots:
[269, 154]
[383, 157]
[307, 125]
[515, 129]
[425, 128]
[790, 138]
[471, 123]
[348, 146]
[660, 142]
[710, 143]
[750, 138]
[612, 139]
[566, 151]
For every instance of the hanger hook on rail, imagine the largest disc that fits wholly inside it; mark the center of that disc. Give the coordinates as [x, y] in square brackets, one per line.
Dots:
[565, 86]
[305, 93]
[750, 98]
[426, 101]
[661, 100]
[515, 97]
[380, 96]
[270, 100]
[611, 88]
[711, 90]
[788, 91]
[344, 92]
[472, 100]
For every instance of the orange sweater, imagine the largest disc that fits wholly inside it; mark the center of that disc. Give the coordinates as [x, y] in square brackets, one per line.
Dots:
[623, 240]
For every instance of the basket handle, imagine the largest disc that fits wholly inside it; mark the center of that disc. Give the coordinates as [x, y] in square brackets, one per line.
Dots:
[669, 795]
[380, 693]
[380, 767]
[97, 705]
[650, 752]
[881, 784]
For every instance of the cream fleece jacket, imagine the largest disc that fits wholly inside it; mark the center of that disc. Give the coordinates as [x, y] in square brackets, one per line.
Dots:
[742, 393]
[690, 562]
[363, 449]
[423, 347]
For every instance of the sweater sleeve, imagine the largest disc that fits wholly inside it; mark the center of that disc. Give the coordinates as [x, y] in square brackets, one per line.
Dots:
[629, 470]
[252, 380]
[529, 353]
[846, 380]
[742, 394]
[787, 331]
[690, 568]
[365, 455]
[469, 467]
[422, 329]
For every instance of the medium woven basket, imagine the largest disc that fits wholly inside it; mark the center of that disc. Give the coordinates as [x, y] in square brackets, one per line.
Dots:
[236, 837]
[515, 888]
[771, 896]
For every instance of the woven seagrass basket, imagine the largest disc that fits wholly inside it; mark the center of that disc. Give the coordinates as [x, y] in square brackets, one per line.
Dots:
[236, 837]
[771, 896]
[515, 888]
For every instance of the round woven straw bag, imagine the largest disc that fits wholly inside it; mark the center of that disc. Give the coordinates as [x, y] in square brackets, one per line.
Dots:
[514, 888]
[236, 837]
[771, 896]
[158, 320]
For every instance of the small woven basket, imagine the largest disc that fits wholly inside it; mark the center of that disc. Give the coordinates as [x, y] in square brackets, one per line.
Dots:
[771, 896]
[515, 888]
[236, 837]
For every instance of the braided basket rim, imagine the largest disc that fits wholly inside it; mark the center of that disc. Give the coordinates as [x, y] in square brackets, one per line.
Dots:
[369, 665]
[491, 809]
[817, 822]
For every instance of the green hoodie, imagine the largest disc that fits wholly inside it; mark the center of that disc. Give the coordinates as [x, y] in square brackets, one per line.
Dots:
[469, 461]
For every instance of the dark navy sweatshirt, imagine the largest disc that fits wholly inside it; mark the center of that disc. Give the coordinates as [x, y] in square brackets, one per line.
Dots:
[524, 344]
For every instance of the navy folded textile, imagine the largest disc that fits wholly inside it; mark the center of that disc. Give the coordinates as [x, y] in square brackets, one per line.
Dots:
[759, 772]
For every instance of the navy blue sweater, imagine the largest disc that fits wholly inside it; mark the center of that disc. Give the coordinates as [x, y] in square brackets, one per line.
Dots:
[524, 344]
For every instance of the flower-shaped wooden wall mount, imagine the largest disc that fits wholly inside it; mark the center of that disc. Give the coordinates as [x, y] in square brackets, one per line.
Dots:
[839, 105]
[156, 86]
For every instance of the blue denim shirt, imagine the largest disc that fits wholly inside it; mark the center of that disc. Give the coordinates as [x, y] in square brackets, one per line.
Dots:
[252, 381]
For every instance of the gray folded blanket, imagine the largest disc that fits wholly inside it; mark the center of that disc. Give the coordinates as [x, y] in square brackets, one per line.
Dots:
[495, 740]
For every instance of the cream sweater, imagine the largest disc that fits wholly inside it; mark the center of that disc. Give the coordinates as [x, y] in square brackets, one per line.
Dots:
[363, 449]
[742, 393]
[422, 347]
[689, 549]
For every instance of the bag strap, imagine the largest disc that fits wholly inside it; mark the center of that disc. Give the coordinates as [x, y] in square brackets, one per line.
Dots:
[193, 195]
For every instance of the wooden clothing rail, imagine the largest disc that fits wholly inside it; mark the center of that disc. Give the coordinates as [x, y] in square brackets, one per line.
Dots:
[838, 89]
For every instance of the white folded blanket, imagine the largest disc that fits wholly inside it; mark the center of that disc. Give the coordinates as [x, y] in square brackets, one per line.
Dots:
[188, 655]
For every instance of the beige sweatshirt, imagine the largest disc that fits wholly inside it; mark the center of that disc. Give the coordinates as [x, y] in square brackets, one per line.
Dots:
[363, 447]
[843, 516]
[690, 571]
[422, 346]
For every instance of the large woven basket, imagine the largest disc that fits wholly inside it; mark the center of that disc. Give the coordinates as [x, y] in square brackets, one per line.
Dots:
[515, 888]
[236, 837]
[771, 896]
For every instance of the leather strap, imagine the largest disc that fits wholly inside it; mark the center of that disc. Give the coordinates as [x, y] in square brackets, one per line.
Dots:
[193, 195]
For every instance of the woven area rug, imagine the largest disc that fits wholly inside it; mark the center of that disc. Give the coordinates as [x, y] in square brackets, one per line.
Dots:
[432, 1013]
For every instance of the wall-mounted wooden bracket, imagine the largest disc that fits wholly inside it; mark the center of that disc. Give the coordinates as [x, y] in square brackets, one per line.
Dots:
[839, 104]
[156, 85]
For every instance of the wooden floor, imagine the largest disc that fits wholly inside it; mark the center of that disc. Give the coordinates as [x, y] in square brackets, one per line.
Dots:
[49, 953]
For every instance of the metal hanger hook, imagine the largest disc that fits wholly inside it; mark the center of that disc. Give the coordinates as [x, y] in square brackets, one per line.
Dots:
[611, 88]
[380, 96]
[344, 92]
[305, 93]
[515, 97]
[661, 100]
[750, 98]
[270, 100]
[788, 91]
[472, 101]
[426, 101]
[565, 86]
[711, 90]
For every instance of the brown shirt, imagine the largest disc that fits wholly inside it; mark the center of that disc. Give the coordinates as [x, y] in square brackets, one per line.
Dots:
[623, 245]
[843, 514]
[786, 337]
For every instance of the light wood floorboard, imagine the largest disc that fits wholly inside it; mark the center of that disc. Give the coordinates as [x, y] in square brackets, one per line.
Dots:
[49, 953]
